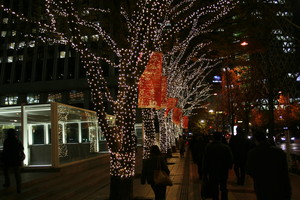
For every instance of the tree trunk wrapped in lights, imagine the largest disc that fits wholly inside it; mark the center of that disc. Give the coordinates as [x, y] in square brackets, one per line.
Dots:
[148, 116]
[140, 27]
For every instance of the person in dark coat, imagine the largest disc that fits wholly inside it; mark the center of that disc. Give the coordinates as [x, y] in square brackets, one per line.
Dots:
[268, 167]
[240, 145]
[217, 161]
[12, 158]
[149, 166]
[181, 145]
[199, 148]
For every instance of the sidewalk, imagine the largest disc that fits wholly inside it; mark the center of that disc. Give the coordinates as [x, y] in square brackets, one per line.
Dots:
[93, 184]
[186, 185]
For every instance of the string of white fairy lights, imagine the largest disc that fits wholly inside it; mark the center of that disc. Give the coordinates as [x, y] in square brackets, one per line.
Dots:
[152, 24]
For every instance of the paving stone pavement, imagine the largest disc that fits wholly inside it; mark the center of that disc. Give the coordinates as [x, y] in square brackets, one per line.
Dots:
[94, 184]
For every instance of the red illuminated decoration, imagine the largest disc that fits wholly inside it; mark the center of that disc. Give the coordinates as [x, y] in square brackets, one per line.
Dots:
[150, 83]
[177, 115]
[171, 103]
[185, 122]
[164, 88]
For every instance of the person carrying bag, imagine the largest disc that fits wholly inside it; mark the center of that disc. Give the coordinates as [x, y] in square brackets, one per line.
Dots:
[160, 177]
[155, 171]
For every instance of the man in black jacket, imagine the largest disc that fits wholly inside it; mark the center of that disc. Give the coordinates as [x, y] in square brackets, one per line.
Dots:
[240, 145]
[217, 161]
[267, 165]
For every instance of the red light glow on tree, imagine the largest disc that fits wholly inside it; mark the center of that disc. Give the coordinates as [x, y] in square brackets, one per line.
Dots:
[164, 87]
[150, 83]
[185, 122]
[171, 103]
[177, 115]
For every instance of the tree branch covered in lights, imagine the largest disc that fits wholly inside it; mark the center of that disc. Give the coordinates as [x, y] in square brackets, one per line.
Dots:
[122, 35]
[187, 71]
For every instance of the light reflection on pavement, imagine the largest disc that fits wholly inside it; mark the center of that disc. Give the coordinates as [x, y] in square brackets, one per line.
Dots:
[294, 147]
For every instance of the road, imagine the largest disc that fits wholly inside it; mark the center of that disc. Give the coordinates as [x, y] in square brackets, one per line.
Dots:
[294, 147]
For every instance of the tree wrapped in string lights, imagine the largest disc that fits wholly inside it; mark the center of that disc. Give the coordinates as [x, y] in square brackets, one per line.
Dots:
[139, 28]
[187, 71]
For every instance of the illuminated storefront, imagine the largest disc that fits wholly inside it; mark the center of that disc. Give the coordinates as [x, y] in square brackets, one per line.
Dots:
[54, 134]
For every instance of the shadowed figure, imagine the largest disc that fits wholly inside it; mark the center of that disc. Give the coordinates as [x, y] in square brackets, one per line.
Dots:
[12, 158]
[217, 161]
[268, 167]
[151, 164]
[240, 145]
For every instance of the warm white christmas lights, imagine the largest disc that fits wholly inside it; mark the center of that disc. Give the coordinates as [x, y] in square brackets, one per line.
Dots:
[149, 27]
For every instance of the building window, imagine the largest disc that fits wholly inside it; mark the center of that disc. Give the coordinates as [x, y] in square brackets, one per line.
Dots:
[54, 97]
[33, 98]
[32, 43]
[10, 59]
[72, 131]
[85, 132]
[38, 134]
[21, 44]
[76, 97]
[11, 100]
[11, 45]
[3, 33]
[5, 20]
[62, 54]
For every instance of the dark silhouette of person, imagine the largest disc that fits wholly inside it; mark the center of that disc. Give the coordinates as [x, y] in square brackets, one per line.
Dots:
[151, 164]
[181, 145]
[12, 158]
[240, 146]
[268, 167]
[217, 161]
[199, 147]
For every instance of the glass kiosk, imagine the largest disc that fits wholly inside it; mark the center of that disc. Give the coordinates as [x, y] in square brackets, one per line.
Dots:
[54, 134]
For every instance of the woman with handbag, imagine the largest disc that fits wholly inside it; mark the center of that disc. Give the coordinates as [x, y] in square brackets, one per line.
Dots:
[155, 171]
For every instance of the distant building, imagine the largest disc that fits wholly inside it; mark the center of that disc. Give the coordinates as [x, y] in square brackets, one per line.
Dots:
[35, 73]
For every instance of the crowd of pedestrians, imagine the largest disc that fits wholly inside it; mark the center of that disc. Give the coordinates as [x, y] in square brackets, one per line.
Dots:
[259, 158]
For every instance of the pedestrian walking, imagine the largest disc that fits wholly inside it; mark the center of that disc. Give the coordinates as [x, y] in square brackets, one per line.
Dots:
[13, 156]
[181, 145]
[268, 167]
[149, 166]
[199, 147]
[240, 145]
[217, 161]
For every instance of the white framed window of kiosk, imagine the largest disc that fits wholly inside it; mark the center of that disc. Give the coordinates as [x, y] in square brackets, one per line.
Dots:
[77, 136]
[139, 133]
[37, 135]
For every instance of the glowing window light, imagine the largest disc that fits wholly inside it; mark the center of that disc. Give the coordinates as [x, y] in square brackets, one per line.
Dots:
[3, 33]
